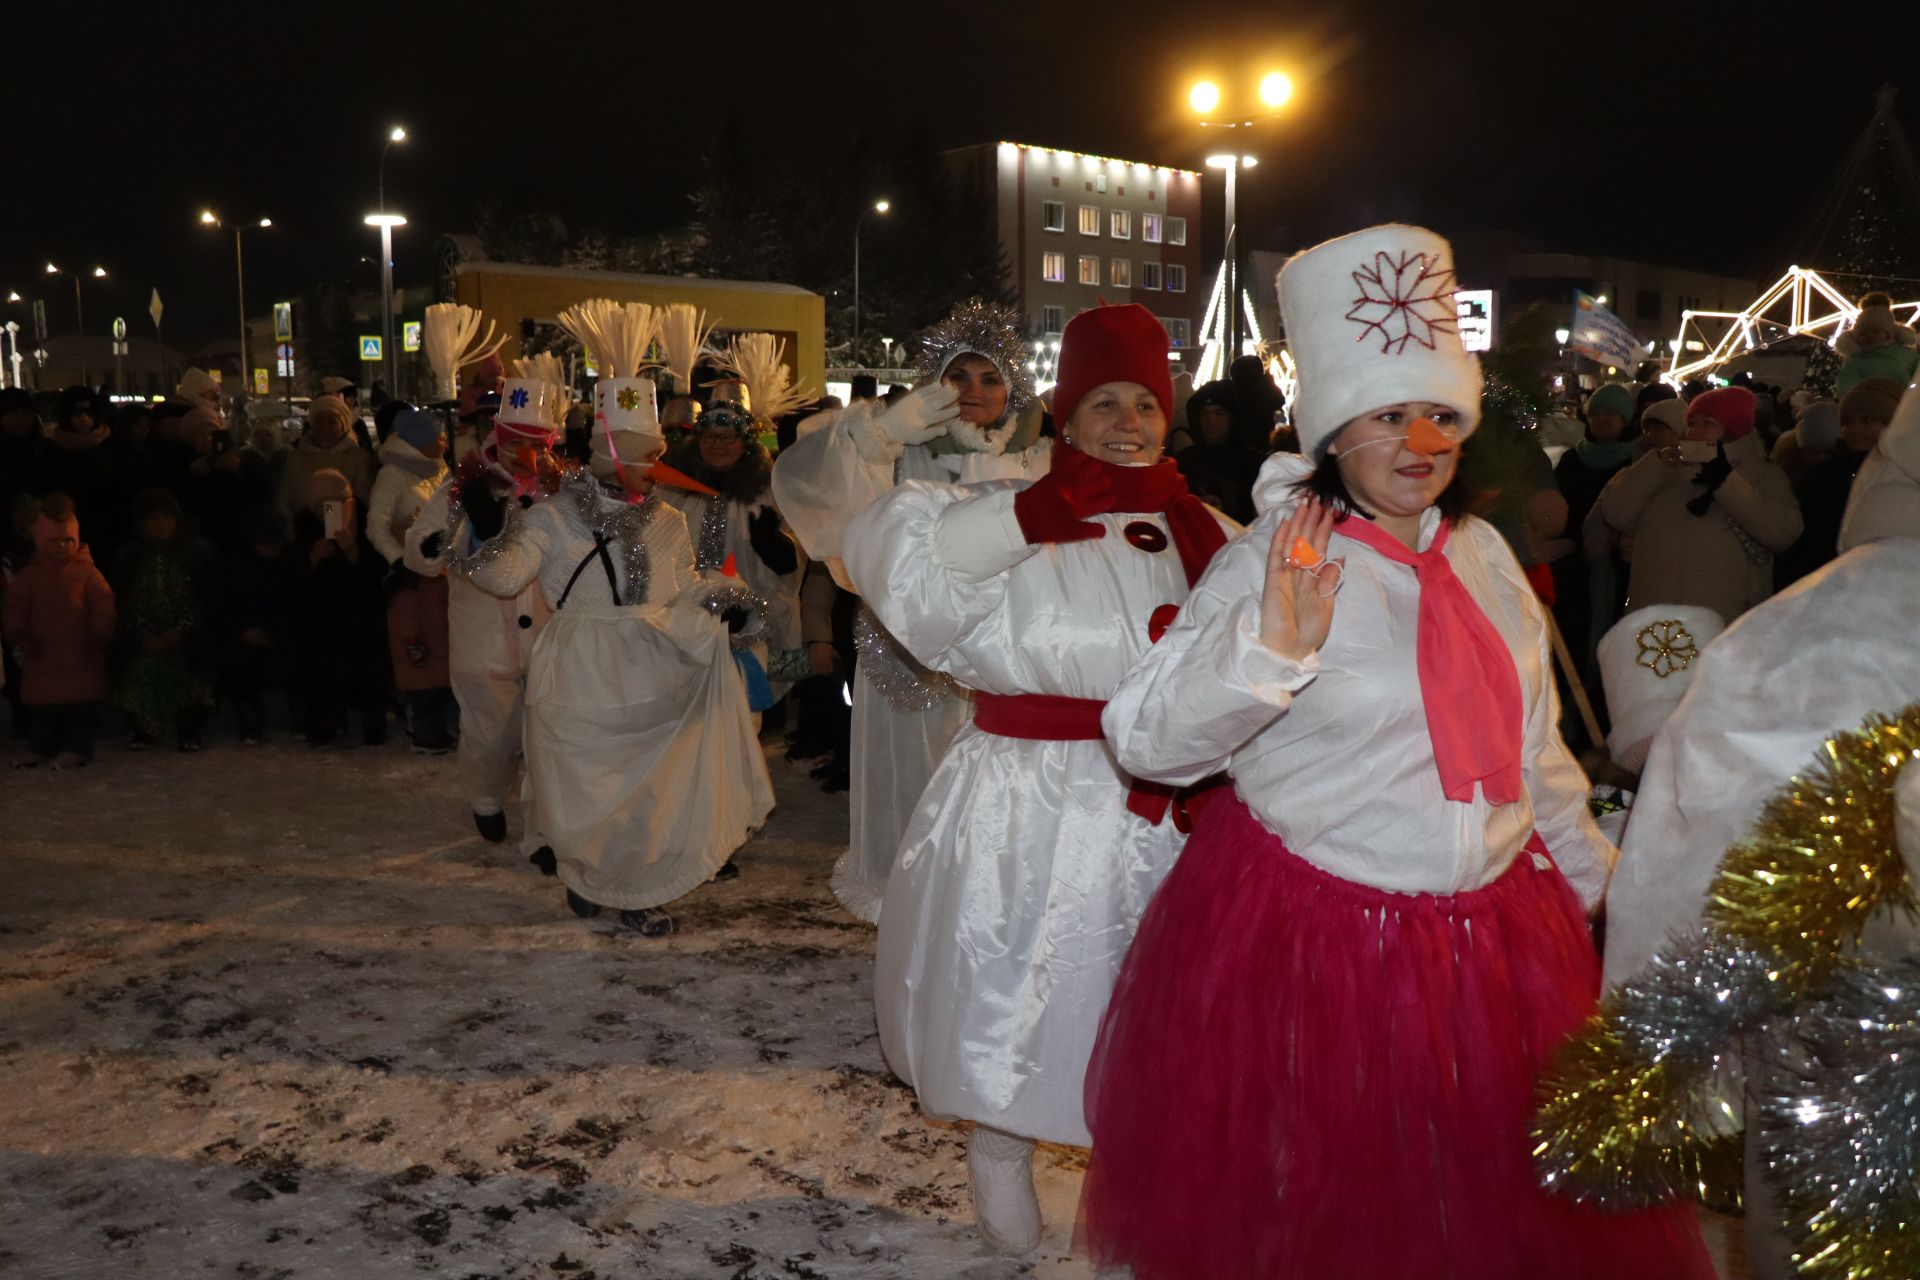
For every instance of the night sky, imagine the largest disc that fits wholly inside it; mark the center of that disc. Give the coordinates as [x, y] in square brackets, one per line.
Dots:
[1696, 135]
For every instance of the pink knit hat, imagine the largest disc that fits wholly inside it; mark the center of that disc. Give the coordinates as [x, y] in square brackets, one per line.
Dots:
[1731, 407]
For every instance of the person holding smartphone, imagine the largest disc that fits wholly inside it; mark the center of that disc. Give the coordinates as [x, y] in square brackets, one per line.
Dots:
[1707, 513]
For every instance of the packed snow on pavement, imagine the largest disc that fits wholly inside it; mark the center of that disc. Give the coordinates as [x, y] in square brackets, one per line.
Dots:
[274, 1012]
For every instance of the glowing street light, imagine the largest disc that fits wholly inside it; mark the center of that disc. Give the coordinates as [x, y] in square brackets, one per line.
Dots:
[208, 218]
[395, 134]
[1276, 89]
[881, 206]
[1204, 97]
[386, 222]
[79, 309]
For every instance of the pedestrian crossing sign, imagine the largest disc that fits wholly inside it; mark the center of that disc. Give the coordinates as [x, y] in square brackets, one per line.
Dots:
[369, 347]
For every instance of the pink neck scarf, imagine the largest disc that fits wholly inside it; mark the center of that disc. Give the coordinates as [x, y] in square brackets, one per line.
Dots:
[1467, 678]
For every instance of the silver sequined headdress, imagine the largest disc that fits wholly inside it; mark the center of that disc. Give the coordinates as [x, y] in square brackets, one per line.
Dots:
[981, 328]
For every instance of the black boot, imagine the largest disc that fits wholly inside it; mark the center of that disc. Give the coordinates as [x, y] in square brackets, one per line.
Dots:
[648, 922]
[729, 871]
[492, 826]
[581, 907]
[543, 858]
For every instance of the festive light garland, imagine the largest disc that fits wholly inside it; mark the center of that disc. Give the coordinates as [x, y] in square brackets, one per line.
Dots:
[1636, 1107]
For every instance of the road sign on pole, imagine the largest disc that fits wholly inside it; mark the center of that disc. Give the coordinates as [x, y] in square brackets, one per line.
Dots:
[39, 319]
[410, 336]
[283, 322]
[155, 308]
[119, 329]
[260, 382]
[370, 348]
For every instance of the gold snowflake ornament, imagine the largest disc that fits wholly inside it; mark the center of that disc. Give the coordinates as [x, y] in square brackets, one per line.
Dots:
[1666, 647]
[628, 398]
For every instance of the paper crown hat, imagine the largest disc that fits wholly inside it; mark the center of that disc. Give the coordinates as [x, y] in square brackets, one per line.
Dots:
[1646, 664]
[1371, 321]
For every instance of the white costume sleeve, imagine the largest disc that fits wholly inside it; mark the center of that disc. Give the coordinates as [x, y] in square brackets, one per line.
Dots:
[435, 517]
[931, 562]
[509, 562]
[669, 555]
[829, 475]
[1209, 685]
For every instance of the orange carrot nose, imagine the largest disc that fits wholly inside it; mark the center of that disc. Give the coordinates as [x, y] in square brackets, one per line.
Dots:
[661, 473]
[1427, 437]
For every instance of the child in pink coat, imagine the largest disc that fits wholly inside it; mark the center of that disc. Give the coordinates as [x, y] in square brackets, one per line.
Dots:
[59, 616]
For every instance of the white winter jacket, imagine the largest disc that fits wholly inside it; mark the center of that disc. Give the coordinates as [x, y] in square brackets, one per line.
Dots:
[405, 482]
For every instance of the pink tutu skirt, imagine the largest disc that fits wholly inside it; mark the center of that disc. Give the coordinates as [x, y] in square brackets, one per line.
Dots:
[1303, 1078]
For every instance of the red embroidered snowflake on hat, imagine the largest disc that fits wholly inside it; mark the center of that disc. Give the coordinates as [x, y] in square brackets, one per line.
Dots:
[1409, 299]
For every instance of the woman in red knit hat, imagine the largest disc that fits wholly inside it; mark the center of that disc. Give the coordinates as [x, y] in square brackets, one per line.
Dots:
[1031, 855]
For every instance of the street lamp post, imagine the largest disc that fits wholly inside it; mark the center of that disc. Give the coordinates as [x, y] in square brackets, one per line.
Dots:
[395, 134]
[879, 206]
[79, 310]
[386, 222]
[210, 219]
[1274, 91]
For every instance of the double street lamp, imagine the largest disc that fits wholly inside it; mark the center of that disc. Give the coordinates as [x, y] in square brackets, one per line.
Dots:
[389, 359]
[1274, 92]
[208, 218]
[878, 206]
[79, 311]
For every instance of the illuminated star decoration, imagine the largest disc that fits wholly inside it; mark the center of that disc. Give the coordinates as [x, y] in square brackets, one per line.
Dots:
[1666, 647]
[1408, 300]
[519, 398]
[628, 399]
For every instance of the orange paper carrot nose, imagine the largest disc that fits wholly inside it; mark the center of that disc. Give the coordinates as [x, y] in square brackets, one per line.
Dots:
[1425, 437]
[661, 473]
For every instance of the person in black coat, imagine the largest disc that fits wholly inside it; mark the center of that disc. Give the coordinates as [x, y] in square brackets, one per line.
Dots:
[253, 617]
[339, 616]
[1219, 468]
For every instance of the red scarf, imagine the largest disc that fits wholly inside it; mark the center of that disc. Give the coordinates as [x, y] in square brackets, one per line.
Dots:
[1197, 535]
[1467, 678]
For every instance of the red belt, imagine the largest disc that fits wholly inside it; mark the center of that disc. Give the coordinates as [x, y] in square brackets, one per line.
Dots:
[1046, 717]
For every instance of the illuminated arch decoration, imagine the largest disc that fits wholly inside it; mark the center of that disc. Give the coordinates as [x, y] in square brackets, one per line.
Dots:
[1213, 332]
[1801, 303]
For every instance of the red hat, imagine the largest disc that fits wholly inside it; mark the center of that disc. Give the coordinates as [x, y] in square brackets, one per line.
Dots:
[1112, 344]
[1731, 407]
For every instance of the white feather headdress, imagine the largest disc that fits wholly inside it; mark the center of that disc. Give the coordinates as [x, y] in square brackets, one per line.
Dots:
[757, 359]
[454, 342]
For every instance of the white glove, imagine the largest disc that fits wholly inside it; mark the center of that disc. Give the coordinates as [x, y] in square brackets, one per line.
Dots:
[921, 415]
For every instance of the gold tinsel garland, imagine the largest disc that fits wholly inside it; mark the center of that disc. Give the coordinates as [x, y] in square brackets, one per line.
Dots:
[1629, 1112]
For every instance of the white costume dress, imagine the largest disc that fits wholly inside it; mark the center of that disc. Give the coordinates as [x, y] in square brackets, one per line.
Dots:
[641, 754]
[903, 715]
[1022, 873]
[490, 641]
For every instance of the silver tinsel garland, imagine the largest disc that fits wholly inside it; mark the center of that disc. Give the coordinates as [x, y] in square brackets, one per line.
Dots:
[731, 593]
[464, 562]
[892, 671]
[1694, 996]
[984, 329]
[619, 523]
[1840, 1135]
[710, 544]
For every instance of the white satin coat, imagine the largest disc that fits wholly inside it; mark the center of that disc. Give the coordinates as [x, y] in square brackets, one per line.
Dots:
[1332, 754]
[821, 482]
[641, 751]
[1022, 874]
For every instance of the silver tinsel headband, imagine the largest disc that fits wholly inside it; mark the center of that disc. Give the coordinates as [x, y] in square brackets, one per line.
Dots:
[981, 328]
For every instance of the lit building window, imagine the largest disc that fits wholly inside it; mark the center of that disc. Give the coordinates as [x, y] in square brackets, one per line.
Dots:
[1089, 219]
[1176, 278]
[1053, 215]
[1121, 273]
[1149, 275]
[1179, 332]
[1120, 224]
[1053, 319]
[1150, 228]
[1176, 230]
[1053, 268]
[1089, 269]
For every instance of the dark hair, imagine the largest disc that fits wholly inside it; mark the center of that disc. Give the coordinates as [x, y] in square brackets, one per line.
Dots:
[383, 417]
[1326, 484]
[71, 399]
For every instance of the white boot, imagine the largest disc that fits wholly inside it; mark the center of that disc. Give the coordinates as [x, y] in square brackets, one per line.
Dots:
[1004, 1205]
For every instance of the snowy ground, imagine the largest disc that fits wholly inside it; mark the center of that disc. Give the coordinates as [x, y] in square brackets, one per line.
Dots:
[272, 1013]
[276, 1013]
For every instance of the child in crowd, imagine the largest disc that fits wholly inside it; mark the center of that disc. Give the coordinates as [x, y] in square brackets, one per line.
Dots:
[59, 615]
[417, 646]
[159, 580]
[254, 621]
[339, 611]
[1876, 346]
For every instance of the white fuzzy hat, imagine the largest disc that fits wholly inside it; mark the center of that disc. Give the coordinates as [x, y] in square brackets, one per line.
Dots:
[1670, 413]
[1371, 321]
[1646, 663]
